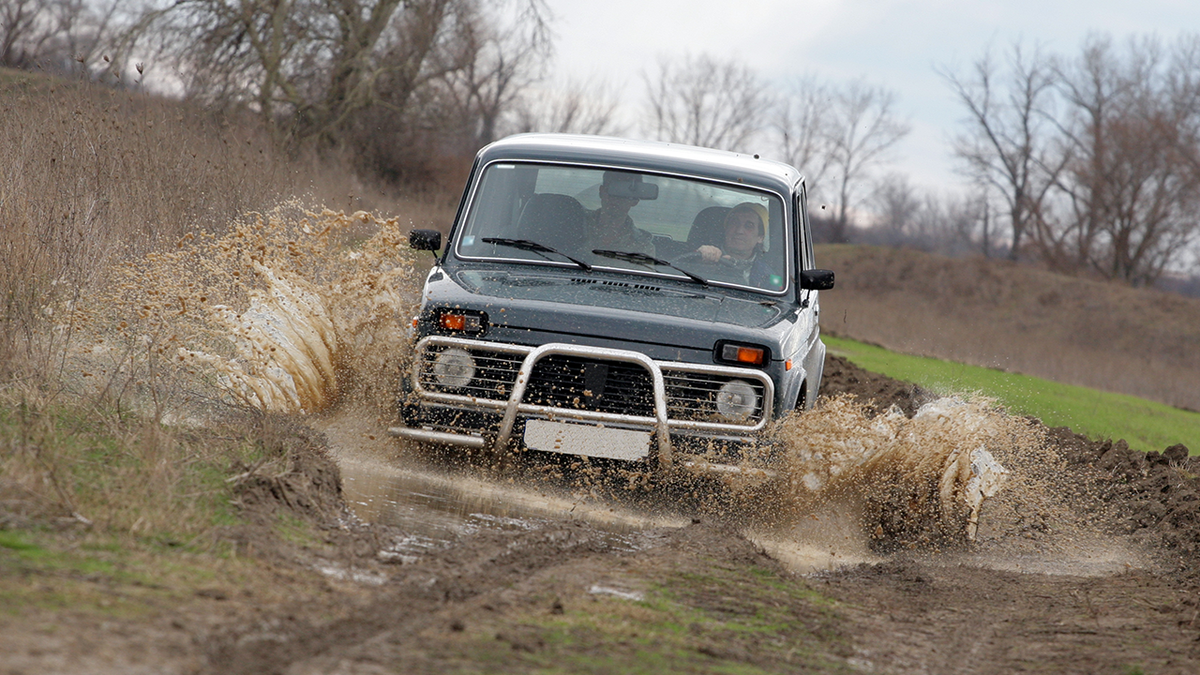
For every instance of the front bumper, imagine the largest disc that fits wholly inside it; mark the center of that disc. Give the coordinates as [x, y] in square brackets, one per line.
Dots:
[603, 388]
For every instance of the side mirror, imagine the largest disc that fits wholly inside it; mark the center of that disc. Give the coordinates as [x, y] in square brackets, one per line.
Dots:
[425, 240]
[816, 280]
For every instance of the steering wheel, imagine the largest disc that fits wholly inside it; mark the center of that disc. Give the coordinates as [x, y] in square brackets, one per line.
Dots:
[689, 257]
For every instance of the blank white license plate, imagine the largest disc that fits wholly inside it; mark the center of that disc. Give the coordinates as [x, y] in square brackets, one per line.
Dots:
[587, 439]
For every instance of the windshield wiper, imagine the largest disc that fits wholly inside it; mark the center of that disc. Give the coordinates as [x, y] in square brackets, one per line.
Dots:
[634, 256]
[527, 245]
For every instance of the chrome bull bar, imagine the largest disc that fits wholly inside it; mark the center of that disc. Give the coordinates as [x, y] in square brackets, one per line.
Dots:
[513, 405]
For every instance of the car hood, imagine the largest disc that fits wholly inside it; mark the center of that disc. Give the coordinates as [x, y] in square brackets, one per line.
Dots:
[605, 306]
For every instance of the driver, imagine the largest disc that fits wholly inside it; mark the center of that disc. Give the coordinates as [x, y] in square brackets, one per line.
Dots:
[742, 259]
[610, 226]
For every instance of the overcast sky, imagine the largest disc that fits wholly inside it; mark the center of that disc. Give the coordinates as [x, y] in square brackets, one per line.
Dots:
[896, 43]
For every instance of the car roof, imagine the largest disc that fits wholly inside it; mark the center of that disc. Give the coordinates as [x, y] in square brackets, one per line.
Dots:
[645, 155]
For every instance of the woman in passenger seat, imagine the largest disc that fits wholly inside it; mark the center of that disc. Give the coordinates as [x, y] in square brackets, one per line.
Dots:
[741, 258]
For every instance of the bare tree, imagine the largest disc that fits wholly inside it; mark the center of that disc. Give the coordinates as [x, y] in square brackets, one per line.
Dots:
[310, 67]
[862, 128]
[62, 36]
[575, 108]
[961, 225]
[304, 65]
[802, 122]
[1010, 142]
[22, 31]
[898, 207]
[491, 62]
[906, 216]
[1133, 185]
[705, 102]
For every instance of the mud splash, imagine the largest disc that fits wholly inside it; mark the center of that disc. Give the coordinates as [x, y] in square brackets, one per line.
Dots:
[288, 312]
[892, 480]
[300, 311]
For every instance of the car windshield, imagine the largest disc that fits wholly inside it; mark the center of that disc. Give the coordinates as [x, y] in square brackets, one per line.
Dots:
[550, 214]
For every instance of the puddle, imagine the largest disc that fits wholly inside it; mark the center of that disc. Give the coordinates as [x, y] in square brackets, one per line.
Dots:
[436, 507]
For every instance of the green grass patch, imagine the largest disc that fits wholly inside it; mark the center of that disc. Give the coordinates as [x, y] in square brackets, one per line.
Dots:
[1145, 425]
[18, 543]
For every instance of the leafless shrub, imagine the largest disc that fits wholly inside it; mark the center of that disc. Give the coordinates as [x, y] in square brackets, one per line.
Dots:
[954, 225]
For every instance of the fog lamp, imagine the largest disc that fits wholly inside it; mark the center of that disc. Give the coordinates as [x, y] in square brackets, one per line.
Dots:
[454, 368]
[737, 400]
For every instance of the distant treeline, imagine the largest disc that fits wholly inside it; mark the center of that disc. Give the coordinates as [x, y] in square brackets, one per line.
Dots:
[1085, 163]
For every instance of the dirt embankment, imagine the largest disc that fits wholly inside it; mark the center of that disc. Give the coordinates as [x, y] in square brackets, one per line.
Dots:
[1154, 494]
[570, 597]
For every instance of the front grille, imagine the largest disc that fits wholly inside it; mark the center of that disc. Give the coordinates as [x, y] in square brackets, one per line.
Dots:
[591, 384]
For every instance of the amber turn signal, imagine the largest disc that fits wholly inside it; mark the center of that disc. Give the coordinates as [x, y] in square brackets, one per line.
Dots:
[461, 322]
[742, 354]
[454, 321]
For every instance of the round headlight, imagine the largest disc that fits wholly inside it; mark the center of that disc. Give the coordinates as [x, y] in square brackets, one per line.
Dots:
[737, 400]
[454, 368]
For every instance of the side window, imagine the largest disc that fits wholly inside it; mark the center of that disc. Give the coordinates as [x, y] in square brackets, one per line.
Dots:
[803, 233]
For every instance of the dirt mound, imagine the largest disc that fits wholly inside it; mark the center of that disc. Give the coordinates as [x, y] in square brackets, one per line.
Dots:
[1154, 496]
[295, 474]
[1158, 493]
[878, 392]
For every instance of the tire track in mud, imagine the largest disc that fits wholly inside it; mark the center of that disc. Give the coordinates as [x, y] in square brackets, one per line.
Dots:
[412, 599]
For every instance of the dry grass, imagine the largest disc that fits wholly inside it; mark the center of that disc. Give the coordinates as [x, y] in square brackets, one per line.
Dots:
[1107, 336]
[92, 176]
[72, 467]
[94, 179]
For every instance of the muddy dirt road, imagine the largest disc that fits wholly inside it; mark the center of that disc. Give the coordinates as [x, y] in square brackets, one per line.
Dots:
[1085, 563]
[1083, 566]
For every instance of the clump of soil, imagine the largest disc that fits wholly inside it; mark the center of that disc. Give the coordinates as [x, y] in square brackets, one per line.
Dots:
[1157, 493]
[877, 392]
[296, 475]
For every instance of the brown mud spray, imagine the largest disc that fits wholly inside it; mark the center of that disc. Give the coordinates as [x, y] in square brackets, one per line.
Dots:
[299, 311]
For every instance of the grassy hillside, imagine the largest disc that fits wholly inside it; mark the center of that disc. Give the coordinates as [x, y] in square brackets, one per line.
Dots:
[1144, 425]
[997, 314]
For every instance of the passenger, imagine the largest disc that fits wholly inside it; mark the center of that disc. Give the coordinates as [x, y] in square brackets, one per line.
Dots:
[611, 227]
[742, 259]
